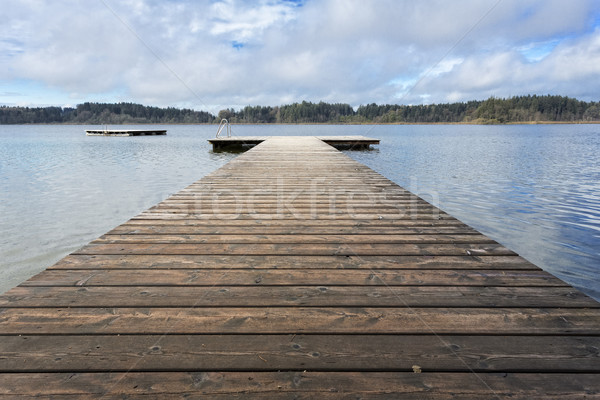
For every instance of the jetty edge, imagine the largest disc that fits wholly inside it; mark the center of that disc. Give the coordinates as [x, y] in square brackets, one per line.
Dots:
[294, 271]
[355, 142]
[125, 132]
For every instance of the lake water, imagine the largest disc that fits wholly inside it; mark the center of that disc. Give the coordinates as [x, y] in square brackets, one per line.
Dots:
[533, 188]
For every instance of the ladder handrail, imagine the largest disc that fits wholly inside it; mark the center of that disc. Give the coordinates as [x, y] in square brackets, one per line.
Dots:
[224, 124]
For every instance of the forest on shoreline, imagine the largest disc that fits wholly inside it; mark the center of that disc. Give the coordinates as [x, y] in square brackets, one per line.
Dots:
[518, 109]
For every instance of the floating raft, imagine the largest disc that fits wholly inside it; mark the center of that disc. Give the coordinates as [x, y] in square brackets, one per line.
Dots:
[124, 132]
[351, 142]
[295, 272]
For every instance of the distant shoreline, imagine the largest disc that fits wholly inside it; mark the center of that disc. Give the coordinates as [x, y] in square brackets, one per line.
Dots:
[319, 123]
[531, 109]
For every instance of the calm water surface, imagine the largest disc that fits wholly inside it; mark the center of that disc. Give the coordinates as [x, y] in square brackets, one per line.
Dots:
[533, 188]
[60, 189]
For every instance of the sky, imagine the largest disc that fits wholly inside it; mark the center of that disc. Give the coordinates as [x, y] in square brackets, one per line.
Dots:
[210, 55]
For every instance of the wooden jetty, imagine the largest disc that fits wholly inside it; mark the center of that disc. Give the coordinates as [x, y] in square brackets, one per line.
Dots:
[295, 272]
[354, 142]
[125, 132]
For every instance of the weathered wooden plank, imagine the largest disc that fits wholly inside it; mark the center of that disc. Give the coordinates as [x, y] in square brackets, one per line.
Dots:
[287, 385]
[296, 184]
[257, 206]
[275, 212]
[317, 186]
[298, 238]
[293, 277]
[263, 207]
[332, 196]
[324, 199]
[320, 320]
[291, 215]
[354, 249]
[320, 184]
[298, 223]
[295, 296]
[300, 352]
[287, 262]
[146, 229]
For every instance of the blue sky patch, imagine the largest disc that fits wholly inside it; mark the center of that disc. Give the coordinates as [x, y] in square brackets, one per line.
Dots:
[535, 52]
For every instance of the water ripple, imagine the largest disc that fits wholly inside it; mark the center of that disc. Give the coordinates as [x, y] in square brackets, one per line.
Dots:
[534, 188]
[60, 189]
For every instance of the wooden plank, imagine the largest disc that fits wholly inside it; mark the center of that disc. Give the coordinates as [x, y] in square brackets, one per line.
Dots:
[364, 181]
[300, 352]
[257, 200]
[354, 249]
[319, 320]
[287, 262]
[259, 203]
[298, 238]
[298, 223]
[293, 277]
[295, 296]
[290, 215]
[290, 209]
[132, 229]
[287, 385]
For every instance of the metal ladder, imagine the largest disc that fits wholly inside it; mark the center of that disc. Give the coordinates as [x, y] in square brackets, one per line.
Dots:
[224, 125]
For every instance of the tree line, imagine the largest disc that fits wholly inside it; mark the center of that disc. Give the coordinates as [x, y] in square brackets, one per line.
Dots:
[531, 108]
[103, 113]
[519, 109]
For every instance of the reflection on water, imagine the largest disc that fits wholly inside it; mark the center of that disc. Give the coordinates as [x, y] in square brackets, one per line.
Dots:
[533, 188]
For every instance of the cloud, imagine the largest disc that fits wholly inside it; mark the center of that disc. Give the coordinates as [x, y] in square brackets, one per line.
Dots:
[242, 21]
[232, 52]
[571, 68]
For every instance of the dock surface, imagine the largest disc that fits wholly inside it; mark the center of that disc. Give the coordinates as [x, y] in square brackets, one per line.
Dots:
[352, 141]
[125, 132]
[295, 272]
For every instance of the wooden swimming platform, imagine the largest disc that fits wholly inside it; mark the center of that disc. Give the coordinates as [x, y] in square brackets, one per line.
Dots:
[352, 142]
[295, 272]
[125, 132]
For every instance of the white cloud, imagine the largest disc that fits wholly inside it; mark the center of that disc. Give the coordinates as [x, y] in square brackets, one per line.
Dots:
[576, 60]
[243, 21]
[233, 52]
[571, 68]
